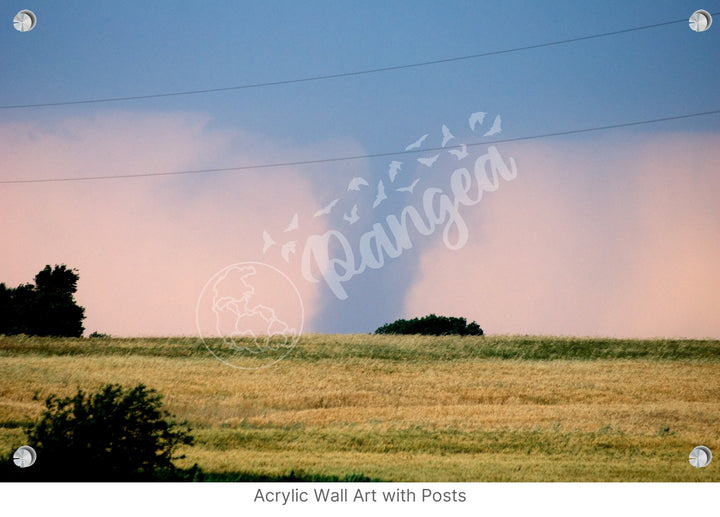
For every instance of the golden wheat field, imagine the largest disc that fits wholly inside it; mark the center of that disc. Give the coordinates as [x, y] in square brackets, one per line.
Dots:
[406, 408]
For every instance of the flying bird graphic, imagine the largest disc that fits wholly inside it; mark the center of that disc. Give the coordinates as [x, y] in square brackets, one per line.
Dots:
[356, 182]
[476, 118]
[496, 127]
[459, 153]
[447, 135]
[353, 217]
[267, 241]
[287, 249]
[429, 162]
[395, 167]
[327, 209]
[417, 143]
[409, 188]
[293, 224]
[380, 194]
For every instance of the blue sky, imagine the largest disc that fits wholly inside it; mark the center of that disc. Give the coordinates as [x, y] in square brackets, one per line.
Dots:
[84, 50]
[90, 50]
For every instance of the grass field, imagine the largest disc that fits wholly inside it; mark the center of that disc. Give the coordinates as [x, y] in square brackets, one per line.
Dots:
[406, 408]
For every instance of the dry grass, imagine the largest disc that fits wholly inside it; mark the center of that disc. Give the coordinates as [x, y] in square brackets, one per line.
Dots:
[443, 409]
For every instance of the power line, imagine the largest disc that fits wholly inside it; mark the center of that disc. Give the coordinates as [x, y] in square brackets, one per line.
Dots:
[342, 74]
[359, 156]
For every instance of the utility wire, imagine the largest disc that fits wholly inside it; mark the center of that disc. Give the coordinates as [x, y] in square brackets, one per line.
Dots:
[359, 156]
[342, 74]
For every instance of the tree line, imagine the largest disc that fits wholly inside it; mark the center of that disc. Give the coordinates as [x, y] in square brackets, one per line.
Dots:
[45, 308]
[432, 325]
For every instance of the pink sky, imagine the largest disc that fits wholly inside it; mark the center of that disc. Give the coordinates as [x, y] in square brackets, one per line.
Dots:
[144, 247]
[620, 237]
[601, 238]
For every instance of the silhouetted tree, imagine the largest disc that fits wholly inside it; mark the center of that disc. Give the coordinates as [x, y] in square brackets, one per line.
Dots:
[432, 325]
[6, 310]
[47, 308]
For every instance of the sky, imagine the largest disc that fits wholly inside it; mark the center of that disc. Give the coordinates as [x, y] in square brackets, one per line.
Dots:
[535, 227]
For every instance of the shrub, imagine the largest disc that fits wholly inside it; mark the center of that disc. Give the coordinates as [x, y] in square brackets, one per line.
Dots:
[111, 435]
[432, 325]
